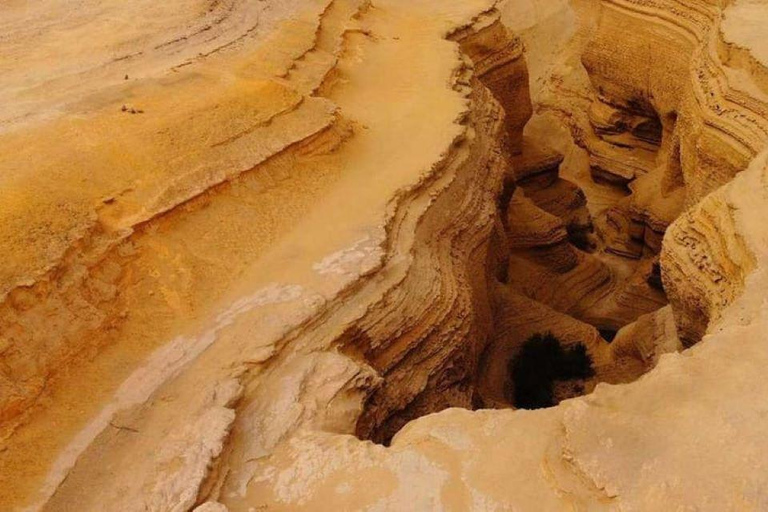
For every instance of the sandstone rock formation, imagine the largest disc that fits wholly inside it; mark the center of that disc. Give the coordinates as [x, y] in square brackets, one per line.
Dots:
[281, 255]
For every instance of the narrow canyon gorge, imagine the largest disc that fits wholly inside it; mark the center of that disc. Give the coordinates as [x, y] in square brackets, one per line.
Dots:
[383, 255]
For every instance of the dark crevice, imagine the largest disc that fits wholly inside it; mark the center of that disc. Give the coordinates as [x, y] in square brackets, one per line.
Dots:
[581, 237]
[549, 366]
[608, 333]
[654, 278]
[541, 362]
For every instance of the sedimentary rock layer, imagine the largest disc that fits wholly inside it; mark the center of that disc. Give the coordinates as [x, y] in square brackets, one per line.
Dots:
[245, 239]
[254, 308]
[696, 418]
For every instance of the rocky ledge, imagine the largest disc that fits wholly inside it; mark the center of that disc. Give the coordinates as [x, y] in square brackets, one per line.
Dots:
[278, 255]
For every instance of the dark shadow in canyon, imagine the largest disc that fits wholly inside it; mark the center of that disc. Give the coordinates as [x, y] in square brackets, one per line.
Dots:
[542, 361]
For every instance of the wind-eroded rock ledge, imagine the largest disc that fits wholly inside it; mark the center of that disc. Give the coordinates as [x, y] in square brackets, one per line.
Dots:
[236, 249]
[237, 244]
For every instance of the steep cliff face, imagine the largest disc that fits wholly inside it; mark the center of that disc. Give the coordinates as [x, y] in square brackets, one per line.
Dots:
[622, 447]
[682, 116]
[240, 252]
[446, 328]
[363, 307]
[673, 130]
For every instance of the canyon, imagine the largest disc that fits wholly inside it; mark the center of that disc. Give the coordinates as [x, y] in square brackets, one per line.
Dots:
[383, 255]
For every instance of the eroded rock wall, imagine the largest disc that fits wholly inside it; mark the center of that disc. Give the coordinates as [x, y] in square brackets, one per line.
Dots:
[445, 340]
[688, 434]
[312, 268]
[398, 314]
[671, 104]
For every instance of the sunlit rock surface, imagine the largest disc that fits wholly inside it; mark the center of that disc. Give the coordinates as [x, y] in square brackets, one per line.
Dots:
[253, 248]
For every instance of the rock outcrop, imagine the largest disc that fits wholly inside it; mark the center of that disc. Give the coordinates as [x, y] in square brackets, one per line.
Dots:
[276, 255]
[707, 111]
[331, 315]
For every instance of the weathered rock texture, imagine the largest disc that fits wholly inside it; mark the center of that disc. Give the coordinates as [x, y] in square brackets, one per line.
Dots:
[245, 239]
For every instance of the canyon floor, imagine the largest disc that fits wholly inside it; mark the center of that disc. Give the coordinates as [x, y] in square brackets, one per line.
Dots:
[369, 255]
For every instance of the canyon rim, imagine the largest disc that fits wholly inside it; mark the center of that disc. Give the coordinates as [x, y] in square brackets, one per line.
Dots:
[383, 255]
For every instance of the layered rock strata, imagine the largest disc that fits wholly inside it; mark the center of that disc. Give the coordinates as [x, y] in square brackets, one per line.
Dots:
[277, 331]
[695, 418]
[230, 263]
[709, 112]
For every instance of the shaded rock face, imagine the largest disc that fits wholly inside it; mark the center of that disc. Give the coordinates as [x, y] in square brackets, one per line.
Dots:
[687, 89]
[375, 212]
[543, 247]
[442, 338]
